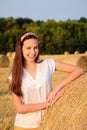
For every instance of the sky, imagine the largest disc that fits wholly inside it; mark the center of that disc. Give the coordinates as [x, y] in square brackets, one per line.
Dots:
[44, 9]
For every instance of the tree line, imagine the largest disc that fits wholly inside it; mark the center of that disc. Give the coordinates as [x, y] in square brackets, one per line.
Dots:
[55, 37]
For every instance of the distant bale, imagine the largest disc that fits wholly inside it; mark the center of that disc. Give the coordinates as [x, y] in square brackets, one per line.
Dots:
[85, 52]
[78, 60]
[4, 61]
[82, 62]
[9, 54]
[76, 52]
[13, 55]
[70, 111]
[66, 53]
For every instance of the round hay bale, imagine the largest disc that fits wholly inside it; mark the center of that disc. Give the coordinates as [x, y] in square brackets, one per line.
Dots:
[82, 62]
[66, 53]
[70, 111]
[4, 61]
[9, 54]
[13, 54]
[85, 52]
[76, 52]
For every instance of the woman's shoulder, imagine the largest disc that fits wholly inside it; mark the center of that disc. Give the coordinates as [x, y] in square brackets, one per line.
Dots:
[47, 61]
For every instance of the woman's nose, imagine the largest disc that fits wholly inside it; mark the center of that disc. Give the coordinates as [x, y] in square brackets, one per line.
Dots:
[32, 51]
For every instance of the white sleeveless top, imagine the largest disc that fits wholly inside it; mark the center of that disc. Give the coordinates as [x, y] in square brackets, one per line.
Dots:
[35, 91]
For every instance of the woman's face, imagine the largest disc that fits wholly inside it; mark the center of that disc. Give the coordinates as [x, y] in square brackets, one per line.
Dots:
[30, 50]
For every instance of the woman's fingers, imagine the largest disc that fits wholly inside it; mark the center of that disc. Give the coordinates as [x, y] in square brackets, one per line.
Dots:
[59, 94]
[52, 98]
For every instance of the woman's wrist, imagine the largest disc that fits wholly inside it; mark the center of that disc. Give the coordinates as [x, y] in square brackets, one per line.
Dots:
[57, 89]
[45, 104]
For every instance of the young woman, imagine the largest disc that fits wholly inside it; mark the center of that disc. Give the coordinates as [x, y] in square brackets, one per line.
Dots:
[30, 82]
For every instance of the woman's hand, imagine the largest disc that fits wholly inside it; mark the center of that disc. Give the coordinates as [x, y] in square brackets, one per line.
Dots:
[53, 96]
[58, 95]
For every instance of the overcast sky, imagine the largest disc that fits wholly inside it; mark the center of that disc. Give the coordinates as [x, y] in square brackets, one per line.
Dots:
[44, 9]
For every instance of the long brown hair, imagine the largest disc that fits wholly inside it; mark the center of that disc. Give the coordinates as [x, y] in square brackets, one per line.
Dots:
[18, 63]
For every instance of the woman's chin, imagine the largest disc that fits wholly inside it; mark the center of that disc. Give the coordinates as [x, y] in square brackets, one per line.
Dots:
[31, 60]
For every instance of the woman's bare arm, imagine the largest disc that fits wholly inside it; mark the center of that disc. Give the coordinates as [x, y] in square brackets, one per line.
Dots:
[26, 108]
[73, 73]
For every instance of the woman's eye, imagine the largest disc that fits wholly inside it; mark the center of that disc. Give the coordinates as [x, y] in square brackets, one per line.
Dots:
[28, 48]
[35, 48]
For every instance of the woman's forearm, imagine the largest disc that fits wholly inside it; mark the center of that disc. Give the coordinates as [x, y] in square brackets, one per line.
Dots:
[72, 76]
[26, 108]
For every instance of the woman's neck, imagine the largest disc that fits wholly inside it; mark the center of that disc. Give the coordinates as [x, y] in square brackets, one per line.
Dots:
[30, 64]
